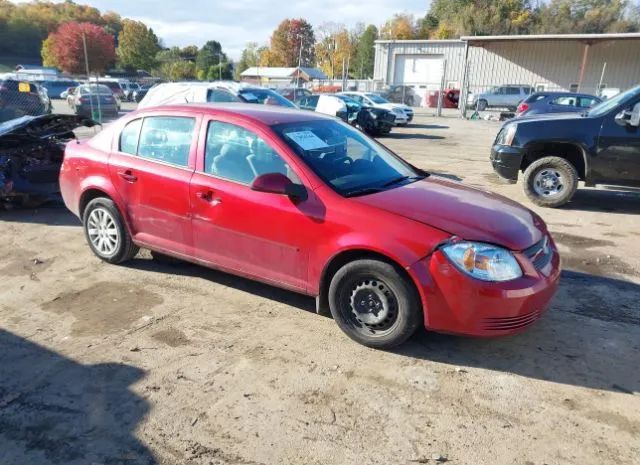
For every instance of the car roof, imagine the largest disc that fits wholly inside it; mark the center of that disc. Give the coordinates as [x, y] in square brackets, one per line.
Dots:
[564, 94]
[265, 114]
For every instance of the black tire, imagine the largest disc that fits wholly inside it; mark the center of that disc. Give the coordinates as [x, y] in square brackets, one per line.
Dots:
[557, 167]
[482, 105]
[124, 249]
[374, 285]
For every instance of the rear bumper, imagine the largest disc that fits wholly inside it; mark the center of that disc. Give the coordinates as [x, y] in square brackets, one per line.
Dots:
[506, 161]
[455, 303]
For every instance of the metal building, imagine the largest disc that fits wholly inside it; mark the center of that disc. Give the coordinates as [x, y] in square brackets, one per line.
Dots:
[592, 63]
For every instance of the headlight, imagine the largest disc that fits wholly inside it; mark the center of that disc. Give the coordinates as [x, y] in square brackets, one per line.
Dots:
[507, 134]
[483, 261]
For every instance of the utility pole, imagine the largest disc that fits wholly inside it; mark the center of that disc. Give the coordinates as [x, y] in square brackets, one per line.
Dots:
[86, 66]
[299, 63]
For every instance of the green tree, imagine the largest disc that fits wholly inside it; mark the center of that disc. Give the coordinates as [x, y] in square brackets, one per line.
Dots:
[138, 46]
[250, 57]
[365, 52]
[220, 71]
[209, 55]
[586, 16]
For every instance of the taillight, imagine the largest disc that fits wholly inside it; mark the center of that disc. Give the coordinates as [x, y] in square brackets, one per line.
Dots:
[522, 108]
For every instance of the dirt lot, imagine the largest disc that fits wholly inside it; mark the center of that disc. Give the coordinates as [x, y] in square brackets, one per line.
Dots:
[149, 363]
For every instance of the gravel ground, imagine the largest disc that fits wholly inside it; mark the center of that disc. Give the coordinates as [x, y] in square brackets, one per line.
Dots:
[157, 364]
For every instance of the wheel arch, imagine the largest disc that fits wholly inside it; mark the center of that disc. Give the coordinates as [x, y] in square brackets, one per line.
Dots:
[571, 151]
[343, 257]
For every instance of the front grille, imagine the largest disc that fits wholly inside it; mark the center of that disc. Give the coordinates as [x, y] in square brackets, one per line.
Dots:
[510, 323]
[389, 118]
[540, 253]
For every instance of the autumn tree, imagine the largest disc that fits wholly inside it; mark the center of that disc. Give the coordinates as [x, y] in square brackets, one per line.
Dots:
[286, 40]
[137, 46]
[586, 16]
[64, 48]
[400, 27]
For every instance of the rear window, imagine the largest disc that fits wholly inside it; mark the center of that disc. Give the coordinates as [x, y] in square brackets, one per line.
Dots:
[19, 86]
[535, 98]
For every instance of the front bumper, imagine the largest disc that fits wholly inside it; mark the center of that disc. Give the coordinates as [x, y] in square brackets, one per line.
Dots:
[506, 161]
[455, 303]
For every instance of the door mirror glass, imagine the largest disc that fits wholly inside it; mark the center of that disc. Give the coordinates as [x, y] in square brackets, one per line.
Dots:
[278, 183]
[629, 117]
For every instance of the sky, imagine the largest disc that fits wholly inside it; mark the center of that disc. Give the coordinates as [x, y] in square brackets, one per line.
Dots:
[233, 23]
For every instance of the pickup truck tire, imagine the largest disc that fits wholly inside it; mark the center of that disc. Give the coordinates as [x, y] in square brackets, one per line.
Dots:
[482, 105]
[550, 181]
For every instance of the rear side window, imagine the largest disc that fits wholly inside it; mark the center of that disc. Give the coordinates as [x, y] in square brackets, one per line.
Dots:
[565, 101]
[162, 138]
[129, 137]
[167, 139]
[587, 102]
[513, 91]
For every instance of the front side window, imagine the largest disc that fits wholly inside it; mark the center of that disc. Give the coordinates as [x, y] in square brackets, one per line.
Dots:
[513, 90]
[587, 102]
[344, 158]
[167, 139]
[237, 154]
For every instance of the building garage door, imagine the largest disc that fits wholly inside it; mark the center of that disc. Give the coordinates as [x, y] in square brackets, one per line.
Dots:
[423, 70]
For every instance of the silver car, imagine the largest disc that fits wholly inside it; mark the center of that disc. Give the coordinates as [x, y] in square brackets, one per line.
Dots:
[507, 96]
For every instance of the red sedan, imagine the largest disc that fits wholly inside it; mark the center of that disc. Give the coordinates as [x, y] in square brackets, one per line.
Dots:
[306, 202]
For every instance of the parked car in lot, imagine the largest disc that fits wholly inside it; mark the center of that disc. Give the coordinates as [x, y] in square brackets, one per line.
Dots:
[556, 102]
[55, 88]
[555, 151]
[403, 113]
[140, 93]
[373, 121]
[113, 85]
[307, 202]
[31, 151]
[294, 93]
[401, 94]
[215, 92]
[128, 89]
[92, 98]
[20, 98]
[507, 96]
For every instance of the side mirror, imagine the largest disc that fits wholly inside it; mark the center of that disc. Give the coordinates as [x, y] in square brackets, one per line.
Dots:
[278, 183]
[629, 117]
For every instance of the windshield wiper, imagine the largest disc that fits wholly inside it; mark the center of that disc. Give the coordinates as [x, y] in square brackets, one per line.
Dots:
[400, 179]
[363, 191]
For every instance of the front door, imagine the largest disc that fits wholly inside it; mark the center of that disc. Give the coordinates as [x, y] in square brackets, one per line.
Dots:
[258, 234]
[617, 160]
[151, 169]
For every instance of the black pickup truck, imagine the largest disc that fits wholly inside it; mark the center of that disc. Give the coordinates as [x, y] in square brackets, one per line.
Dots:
[599, 146]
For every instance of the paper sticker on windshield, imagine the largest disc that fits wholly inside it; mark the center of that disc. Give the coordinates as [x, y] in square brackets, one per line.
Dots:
[249, 96]
[307, 140]
[24, 87]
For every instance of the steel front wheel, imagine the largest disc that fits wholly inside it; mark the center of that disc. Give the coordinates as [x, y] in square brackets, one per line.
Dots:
[374, 304]
[550, 181]
[106, 232]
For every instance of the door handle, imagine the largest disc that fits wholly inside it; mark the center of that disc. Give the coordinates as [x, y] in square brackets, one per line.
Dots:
[128, 176]
[207, 196]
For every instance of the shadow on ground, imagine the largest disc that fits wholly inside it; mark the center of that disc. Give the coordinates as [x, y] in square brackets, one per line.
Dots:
[51, 213]
[56, 411]
[605, 200]
[590, 337]
[407, 135]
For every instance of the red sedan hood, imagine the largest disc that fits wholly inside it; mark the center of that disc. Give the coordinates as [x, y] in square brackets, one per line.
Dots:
[469, 213]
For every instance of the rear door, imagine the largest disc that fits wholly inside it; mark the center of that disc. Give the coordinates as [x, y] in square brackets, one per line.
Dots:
[258, 234]
[151, 167]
